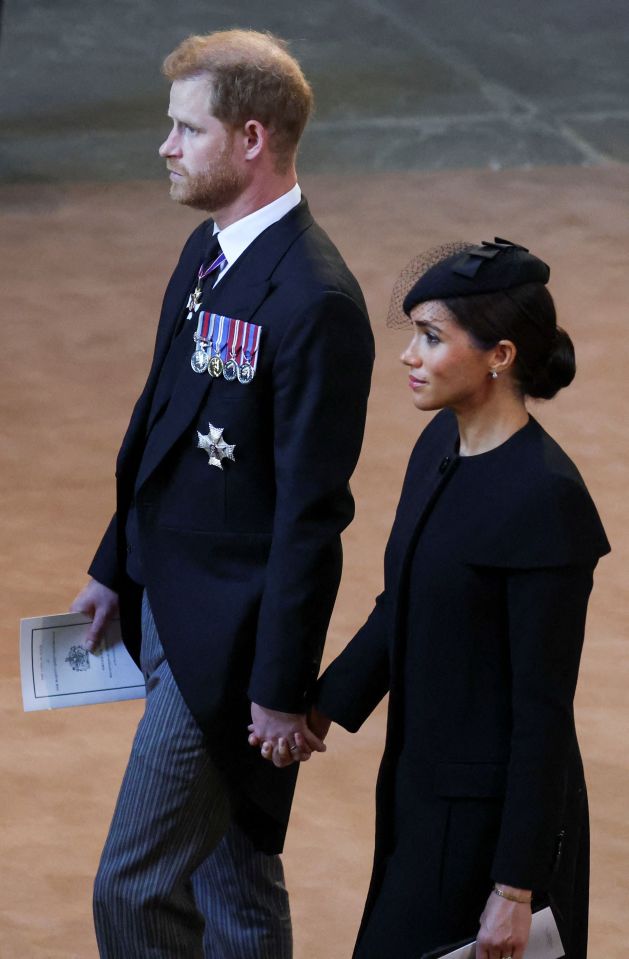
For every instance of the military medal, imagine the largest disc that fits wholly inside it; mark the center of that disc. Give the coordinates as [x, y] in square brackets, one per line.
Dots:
[199, 359]
[249, 352]
[215, 363]
[230, 367]
[226, 347]
[245, 372]
[215, 446]
[194, 300]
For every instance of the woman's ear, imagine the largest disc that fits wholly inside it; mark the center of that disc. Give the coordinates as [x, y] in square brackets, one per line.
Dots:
[502, 356]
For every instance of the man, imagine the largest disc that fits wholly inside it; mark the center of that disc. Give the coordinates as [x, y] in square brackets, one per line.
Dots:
[224, 554]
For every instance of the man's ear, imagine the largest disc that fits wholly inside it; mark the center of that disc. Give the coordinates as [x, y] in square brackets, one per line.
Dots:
[254, 139]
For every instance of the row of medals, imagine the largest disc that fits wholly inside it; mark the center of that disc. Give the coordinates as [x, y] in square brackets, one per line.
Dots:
[230, 370]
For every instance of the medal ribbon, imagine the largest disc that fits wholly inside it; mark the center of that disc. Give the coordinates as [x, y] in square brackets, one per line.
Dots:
[250, 343]
[219, 345]
[232, 338]
[214, 265]
[194, 300]
[203, 328]
[210, 323]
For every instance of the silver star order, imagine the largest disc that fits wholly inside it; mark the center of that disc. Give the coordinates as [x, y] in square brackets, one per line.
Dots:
[215, 446]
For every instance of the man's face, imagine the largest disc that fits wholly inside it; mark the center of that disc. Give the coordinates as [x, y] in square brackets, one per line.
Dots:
[200, 152]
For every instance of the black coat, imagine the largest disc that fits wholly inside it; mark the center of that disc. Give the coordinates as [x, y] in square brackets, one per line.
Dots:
[242, 565]
[477, 636]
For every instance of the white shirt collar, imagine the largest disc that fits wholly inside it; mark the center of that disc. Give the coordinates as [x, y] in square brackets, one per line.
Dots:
[236, 237]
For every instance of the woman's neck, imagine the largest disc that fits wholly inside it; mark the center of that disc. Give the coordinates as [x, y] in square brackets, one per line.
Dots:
[488, 426]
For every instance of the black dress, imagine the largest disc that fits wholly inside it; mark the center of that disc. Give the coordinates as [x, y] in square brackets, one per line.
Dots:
[478, 636]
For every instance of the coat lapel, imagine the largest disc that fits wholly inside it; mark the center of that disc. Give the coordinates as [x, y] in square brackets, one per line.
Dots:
[175, 298]
[432, 464]
[430, 468]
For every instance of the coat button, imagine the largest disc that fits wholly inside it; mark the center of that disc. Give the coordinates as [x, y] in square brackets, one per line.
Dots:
[445, 462]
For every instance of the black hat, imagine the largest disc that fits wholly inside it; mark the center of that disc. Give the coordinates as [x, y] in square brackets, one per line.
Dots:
[487, 268]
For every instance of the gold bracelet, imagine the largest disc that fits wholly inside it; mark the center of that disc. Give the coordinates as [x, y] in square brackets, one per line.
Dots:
[507, 895]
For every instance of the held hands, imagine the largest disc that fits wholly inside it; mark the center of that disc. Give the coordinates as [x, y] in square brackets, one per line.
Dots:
[504, 925]
[99, 603]
[285, 738]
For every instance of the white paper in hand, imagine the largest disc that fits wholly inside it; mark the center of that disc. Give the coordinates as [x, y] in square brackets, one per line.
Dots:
[544, 941]
[57, 670]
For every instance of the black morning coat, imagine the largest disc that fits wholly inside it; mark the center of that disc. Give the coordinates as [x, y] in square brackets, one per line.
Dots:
[493, 689]
[242, 564]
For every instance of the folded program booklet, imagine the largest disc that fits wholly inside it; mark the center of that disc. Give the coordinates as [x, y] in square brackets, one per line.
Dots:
[57, 670]
[544, 942]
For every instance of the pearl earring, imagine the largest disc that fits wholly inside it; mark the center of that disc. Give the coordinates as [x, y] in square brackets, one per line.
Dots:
[493, 374]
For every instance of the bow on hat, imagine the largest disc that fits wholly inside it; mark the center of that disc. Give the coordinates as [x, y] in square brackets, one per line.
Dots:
[473, 259]
[486, 268]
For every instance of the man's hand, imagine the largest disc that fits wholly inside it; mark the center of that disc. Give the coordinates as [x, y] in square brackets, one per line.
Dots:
[283, 738]
[504, 926]
[99, 603]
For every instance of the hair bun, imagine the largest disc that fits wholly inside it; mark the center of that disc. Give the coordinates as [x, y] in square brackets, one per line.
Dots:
[557, 372]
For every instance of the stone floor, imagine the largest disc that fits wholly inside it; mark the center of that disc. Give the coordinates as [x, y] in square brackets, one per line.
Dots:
[88, 263]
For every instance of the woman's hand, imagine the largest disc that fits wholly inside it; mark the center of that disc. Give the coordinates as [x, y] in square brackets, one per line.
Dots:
[283, 754]
[318, 723]
[504, 926]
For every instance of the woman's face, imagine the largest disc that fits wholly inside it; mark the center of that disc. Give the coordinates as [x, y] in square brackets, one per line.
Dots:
[445, 367]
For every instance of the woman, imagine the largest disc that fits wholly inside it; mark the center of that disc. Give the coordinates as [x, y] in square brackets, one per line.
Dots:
[481, 802]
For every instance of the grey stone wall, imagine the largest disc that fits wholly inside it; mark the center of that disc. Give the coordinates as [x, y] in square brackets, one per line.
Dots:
[400, 84]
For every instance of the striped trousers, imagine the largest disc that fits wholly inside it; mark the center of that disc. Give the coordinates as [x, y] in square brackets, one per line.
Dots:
[176, 879]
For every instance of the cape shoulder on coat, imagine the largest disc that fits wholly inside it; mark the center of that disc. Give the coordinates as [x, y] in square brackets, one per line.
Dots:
[534, 513]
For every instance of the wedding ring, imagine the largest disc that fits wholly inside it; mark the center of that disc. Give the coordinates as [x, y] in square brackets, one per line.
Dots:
[294, 748]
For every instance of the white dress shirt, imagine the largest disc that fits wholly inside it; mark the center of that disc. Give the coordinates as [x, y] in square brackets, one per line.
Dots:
[236, 237]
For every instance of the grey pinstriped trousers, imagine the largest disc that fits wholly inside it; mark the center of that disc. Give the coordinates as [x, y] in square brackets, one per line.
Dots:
[176, 879]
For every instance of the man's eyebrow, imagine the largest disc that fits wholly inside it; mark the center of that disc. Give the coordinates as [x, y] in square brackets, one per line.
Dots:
[188, 122]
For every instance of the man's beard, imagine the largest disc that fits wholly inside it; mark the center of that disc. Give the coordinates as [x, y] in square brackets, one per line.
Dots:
[214, 189]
